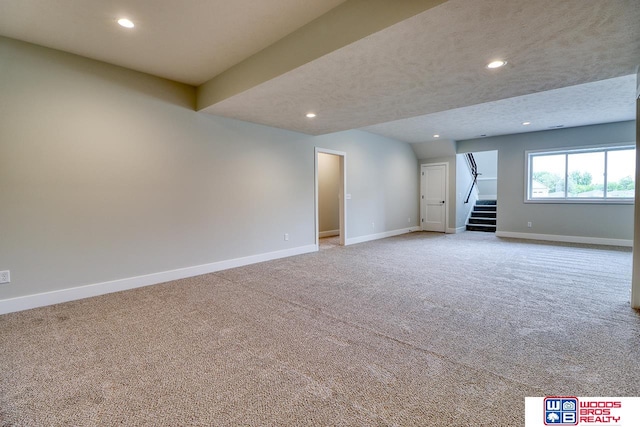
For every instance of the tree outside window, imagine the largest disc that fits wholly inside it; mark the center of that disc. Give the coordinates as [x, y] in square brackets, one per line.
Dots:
[589, 174]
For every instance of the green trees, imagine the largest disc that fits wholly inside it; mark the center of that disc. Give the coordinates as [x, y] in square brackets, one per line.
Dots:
[580, 178]
[552, 181]
[626, 183]
[581, 182]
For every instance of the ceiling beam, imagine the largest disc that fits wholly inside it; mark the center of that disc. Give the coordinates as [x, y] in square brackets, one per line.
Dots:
[341, 26]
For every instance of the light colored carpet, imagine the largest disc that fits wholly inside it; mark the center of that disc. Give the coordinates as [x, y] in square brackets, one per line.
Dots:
[329, 242]
[423, 329]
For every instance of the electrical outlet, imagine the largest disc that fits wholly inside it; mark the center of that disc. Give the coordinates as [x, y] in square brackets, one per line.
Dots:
[373, 225]
[5, 276]
[286, 236]
[409, 220]
[529, 224]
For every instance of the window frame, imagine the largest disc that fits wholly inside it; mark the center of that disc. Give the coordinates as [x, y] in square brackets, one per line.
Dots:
[530, 154]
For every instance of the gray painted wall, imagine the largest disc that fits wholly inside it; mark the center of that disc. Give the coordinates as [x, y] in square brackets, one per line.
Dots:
[328, 190]
[590, 220]
[382, 179]
[106, 173]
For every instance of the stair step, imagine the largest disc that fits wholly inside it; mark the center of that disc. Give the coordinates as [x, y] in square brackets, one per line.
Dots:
[479, 227]
[487, 202]
[485, 221]
[483, 214]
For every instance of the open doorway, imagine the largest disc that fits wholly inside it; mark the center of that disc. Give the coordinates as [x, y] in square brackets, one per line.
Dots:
[481, 200]
[330, 167]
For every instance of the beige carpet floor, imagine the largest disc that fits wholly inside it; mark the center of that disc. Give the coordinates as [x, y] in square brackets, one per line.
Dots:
[418, 330]
[329, 242]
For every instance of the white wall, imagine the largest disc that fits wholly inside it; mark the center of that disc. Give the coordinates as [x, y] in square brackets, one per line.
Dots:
[108, 174]
[463, 184]
[487, 162]
[328, 191]
[599, 221]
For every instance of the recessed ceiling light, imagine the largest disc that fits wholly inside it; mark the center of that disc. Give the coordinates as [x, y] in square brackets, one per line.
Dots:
[526, 123]
[124, 22]
[496, 64]
[436, 136]
[311, 115]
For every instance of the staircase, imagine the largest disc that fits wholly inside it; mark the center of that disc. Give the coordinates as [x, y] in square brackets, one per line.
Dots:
[483, 216]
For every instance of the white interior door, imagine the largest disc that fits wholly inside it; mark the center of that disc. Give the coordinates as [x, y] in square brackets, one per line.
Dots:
[433, 198]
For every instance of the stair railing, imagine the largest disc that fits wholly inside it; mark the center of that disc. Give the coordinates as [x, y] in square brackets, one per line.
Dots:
[473, 167]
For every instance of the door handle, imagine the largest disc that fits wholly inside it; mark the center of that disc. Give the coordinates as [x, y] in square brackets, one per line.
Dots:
[442, 202]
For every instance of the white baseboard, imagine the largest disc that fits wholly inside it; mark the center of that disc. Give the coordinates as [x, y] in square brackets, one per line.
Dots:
[456, 230]
[329, 233]
[567, 239]
[64, 295]
[370, 237]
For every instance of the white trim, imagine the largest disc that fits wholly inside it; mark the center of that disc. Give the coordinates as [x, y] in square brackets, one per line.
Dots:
[342, 193]
[585, 201]
[604, 148]
[635, 274]
[370, 237]
[329, 233]
[456, 230]
[567, 239]
[70, 294]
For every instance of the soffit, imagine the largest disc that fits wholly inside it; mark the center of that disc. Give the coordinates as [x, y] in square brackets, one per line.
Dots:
[186, 41]
[424, 72]
[435, 61]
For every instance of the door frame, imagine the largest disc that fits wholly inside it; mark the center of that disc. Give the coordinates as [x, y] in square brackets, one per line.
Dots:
[446, 192]
[342, 193]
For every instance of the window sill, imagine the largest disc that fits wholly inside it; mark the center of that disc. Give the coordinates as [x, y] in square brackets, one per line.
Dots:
[582, 201]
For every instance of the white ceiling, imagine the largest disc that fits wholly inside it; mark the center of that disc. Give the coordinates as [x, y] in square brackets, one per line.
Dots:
[570, 62]
[604, 101]
[188, 41]
[435, 61]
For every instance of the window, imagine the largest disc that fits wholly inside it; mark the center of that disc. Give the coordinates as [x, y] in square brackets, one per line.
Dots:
[592, 175]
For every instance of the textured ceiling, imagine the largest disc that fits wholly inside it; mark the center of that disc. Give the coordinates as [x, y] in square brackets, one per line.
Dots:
[604, 101]
[187, 41]
[569, 62]
[435, 61]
